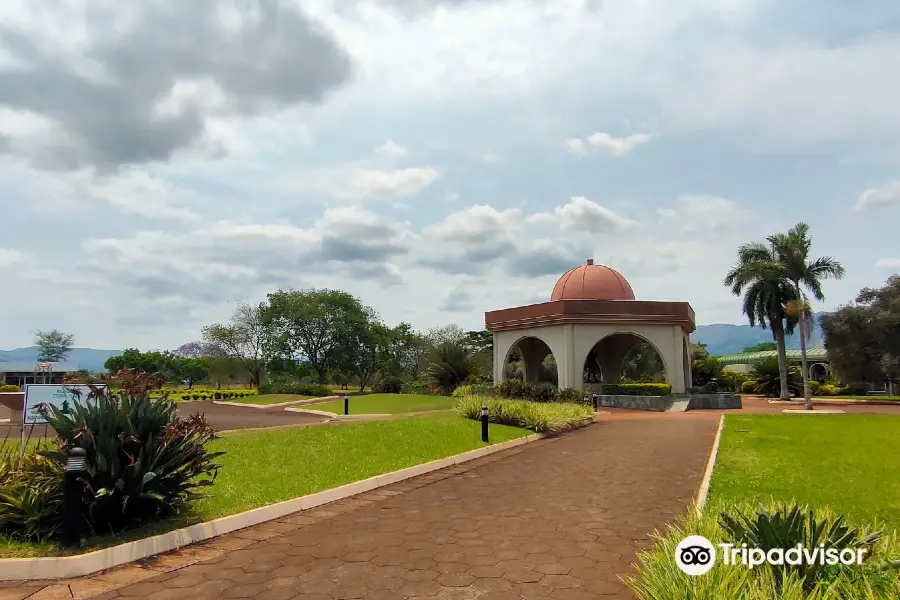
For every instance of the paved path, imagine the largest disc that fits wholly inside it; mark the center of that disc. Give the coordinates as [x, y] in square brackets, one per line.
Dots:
[558, 518]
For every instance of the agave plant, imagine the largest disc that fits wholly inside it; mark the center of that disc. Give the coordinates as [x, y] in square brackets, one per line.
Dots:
[143, 461]
[786, 527]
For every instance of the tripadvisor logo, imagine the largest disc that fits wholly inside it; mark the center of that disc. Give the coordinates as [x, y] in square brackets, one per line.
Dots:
[696, 555]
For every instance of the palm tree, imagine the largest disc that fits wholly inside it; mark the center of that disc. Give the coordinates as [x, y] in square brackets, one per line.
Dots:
[792, 250]
[766, 296]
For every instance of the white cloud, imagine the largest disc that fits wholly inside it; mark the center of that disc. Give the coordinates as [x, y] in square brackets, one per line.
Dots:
[886, 195]
[136, 192]
[9, 257]
[390, 149]
[604, 142]
[581, 214]
[355, 182]
[890, 264]
[710, 215]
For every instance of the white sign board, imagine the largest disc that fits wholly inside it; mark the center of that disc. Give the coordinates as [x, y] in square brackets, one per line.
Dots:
[51, 393]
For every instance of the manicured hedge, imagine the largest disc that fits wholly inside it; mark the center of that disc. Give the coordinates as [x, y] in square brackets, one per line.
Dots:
[637, 389]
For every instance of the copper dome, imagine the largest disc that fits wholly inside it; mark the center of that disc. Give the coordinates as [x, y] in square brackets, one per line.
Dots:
[592, 282]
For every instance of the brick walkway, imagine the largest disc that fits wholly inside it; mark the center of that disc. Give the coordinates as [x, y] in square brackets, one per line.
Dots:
[559, 518]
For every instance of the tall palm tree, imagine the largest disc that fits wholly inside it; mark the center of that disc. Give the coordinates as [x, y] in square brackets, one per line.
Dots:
[766, 296]
[792, 251]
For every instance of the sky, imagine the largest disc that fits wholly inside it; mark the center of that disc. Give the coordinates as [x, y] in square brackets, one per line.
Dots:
[162, 161]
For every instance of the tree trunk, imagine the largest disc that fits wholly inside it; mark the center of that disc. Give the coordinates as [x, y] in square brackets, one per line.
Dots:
[807, 399]
[778, 334]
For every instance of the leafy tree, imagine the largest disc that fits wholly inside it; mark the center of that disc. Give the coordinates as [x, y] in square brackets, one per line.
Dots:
[481, 345]
[452, 334]
[766, 295]
[761, 347]
[53, 345]
[154, 362]
[643, 363]
[222, 369]
[190, 350]
[243, 339]
[372, 351]
[698, 351]
[794, 264]
[410, 351]
[317, 326]
[863, 339]
[452, 367]
[190, 370]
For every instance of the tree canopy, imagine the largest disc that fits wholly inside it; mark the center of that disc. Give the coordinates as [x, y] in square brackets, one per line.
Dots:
[53, 345]
[863, 338]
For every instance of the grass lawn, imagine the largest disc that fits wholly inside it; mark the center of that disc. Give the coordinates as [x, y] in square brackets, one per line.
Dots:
[264, 468]
[846, 462]
[268, 399]
[387, 404]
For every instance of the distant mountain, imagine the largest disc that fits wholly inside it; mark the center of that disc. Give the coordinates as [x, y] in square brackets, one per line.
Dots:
[722, 338]
[86, 358]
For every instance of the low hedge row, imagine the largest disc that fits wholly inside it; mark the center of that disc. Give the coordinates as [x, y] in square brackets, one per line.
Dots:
[541, 417]
[287, 384]
[637, 389]
[178, 392]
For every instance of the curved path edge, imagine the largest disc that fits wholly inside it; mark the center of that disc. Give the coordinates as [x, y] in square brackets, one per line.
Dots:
[703, 490]
[63, 567]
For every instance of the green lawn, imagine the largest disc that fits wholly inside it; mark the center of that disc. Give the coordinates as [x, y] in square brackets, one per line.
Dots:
[387, 404]
[264, 468]
[268, 399]
[846, 462]
[868, 398]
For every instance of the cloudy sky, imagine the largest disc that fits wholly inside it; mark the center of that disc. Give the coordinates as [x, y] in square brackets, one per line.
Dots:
[160, 161]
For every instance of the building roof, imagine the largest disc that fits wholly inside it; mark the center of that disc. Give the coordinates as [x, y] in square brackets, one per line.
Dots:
[592, 282]
[748, 358]
[21, 366]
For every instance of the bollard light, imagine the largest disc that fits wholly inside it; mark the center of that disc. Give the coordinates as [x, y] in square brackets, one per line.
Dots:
[596, 402]
[484, 424]
[346, 404]
[73, 490]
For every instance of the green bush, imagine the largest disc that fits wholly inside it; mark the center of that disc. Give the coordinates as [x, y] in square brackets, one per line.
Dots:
[544, 392]
[658, 577]
[453, 366]
[288, 384]
[572, 395]
[827, 389]
[517, 389]
[748, 387]
[768, 378]
[9, 388]
[856, 388]
[415, 387]
[31, 494]
[474, 389]
[388, 384]
[814, 387]
[637, 389]
[542, 417]
[143, 461]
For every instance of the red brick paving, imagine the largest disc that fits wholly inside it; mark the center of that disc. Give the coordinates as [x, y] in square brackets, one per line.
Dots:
[559, 518]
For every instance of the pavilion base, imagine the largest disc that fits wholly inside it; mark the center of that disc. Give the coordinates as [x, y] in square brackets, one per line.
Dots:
[665, 403]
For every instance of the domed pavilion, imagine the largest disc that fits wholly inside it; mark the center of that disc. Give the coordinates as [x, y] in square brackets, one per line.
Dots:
[592, 312]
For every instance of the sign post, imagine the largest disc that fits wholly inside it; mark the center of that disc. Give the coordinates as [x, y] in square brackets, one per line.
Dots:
[59, 395]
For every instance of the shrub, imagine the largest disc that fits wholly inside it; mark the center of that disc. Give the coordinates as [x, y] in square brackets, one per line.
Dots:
[855, 388]
[549, 417]
[657, 576]
[474, 389]
[785, 528]
[748, 387]
[453, 366]
[31, 494]
[572, 395]
[814, 387]
[637, 389]
[768, 378]
[388, 384]
[544, 392]
[414, 387]
[826, 389]
[9, 388]
[288, 384]
[517, 389]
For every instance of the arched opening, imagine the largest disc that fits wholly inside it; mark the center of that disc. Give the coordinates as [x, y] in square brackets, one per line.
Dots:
[622, 357]
[818, 371]
[530, 359]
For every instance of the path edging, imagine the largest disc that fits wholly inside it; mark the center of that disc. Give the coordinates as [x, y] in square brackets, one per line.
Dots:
[703, 490]
[64, 567]
[280, 404]
[339, 417]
